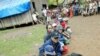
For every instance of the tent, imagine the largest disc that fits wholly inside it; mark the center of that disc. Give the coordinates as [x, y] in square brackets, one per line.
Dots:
[14, 12]
[12, 7]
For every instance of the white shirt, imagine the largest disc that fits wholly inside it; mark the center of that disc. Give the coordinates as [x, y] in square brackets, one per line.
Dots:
[44, 12]
[95, 5]
[48, 18]
[34, 17]
[90, 5]
[99, 3]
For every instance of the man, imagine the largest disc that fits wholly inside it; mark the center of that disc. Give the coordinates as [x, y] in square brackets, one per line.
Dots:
[90, 8]
[62, 37]
[34, 16]
[95, 7]
[51, 47]
[98, 6]
[76, 9]
[44, 13]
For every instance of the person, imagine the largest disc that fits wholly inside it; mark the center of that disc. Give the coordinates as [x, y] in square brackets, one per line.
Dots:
[64, 22]
[34, 16]
[48, 16]
[62, 37]
[65, 11]
[95, 7]
[54, 25]
[90, 8]
[66, 27]
[49, 32]
[52, 47]
[44, 13]
[71, 11]
[76, 9]
[98, 6]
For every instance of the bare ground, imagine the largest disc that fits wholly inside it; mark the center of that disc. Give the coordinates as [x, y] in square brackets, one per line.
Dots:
[86, 35]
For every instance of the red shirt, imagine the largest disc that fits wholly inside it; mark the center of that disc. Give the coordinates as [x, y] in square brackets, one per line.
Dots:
[64, 25]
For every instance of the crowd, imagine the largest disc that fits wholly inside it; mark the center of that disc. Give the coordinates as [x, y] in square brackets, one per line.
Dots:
[91, 8]
[58, 31]
[73, 9]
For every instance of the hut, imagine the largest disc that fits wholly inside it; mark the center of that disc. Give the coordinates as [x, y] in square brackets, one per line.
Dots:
[17, 12]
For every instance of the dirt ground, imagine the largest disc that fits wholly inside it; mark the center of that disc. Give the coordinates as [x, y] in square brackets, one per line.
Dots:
[86, 35]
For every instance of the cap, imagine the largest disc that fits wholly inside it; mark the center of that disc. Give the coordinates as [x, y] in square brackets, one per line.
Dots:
[54, 35]
[59, 27]
[49, 50]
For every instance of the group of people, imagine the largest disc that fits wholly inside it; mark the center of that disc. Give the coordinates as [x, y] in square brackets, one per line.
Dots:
[91, 7]
[86, 9]
[58, 33]
[70, 10]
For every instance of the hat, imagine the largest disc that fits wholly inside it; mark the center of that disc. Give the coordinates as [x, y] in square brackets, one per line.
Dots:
[49, 50]
[54, 35]
[59, 27]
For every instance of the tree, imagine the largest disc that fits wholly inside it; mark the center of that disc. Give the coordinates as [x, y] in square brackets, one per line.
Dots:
[55, 2]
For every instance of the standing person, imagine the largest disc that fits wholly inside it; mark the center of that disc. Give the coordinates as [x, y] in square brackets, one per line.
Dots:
[71, 11]
[67, 11]
[34, 16]
[95, 7]
[76, 9]
[44, 13]
[90, 7]
[98, 6]
[49, 13]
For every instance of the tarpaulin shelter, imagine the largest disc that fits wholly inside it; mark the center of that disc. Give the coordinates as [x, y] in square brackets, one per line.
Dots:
[14, 12]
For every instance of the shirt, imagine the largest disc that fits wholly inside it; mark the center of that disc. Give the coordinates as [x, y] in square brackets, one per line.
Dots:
[56, 47]
[34, 17]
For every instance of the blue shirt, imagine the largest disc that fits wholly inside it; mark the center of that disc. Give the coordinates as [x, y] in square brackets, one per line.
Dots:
[56, 47]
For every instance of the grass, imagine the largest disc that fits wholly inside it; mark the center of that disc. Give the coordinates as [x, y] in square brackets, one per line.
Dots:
[54, 2]
[19, 46]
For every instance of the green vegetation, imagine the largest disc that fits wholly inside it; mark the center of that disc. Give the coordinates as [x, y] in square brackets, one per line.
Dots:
[19, 46]
[54, 2]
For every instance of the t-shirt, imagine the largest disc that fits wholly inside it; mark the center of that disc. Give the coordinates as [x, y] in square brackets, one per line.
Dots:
[64, 25]
[34, 17]
[99, 3]
[44, 12]
[90, 6]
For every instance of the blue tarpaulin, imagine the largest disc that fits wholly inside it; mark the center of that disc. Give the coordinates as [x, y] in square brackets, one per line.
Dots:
[13, 7]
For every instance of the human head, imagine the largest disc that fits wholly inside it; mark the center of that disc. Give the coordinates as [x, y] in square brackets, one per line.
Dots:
[59, 29]
[49, 51]
[55, 37]
[49, 28]
[54, 25]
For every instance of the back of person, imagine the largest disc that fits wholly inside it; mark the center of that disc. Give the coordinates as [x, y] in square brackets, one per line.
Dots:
[55, 48]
